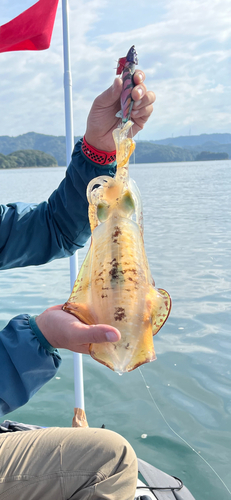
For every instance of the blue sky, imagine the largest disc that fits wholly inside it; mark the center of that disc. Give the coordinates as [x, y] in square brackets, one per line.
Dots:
[184, 47]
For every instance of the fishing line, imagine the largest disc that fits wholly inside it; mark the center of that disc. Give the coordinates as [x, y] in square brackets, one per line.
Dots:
[178, 435]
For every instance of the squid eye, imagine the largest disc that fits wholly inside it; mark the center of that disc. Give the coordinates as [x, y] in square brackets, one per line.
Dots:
[102, 211]
[127, 204]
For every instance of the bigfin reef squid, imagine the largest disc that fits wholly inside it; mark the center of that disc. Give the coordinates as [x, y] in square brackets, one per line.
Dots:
[114, 285]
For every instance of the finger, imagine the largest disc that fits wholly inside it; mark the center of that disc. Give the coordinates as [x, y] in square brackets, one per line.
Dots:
[142, 104]
[138, 77]
[95, 334]
[139, 92]
[64, 330]
[142, 114]
[111, 95]
[148, 97]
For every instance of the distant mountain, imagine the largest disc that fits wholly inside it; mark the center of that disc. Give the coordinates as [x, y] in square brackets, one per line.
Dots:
[207, 156]
[50, 144]
[27, 158]
[195, 140]
[166, 150]
[147, 152]
[213, 147]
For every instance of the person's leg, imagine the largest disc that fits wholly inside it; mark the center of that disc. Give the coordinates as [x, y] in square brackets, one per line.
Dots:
[68, 463]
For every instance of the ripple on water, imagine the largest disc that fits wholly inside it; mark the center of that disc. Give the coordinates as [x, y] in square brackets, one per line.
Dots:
[187, 213]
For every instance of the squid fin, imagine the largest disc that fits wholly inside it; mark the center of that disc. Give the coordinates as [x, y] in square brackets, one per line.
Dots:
[160, 314]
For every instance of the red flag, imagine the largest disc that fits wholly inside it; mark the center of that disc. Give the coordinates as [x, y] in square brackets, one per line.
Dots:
[31, 30]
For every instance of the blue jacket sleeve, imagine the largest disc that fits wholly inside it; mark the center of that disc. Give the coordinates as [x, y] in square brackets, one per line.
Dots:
[26, 363]
[32, 235]
[35, 234]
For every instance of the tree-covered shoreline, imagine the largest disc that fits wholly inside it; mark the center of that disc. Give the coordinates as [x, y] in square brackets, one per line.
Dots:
[27, 158]
[28, 150]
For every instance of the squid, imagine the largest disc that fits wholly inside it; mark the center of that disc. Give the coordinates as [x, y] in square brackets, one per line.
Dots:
[115, 285]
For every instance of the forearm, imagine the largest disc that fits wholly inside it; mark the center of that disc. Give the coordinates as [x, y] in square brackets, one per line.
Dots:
[35, 234]
[26, 363]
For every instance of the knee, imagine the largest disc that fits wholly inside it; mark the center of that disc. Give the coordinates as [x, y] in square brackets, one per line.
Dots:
[118, 451]
[118, 444]
[98, 449]
[119, 466]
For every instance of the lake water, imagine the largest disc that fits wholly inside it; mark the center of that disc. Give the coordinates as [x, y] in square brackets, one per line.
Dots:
[187, 223]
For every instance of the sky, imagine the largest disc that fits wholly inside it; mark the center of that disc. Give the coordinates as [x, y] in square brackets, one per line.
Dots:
[183, 46]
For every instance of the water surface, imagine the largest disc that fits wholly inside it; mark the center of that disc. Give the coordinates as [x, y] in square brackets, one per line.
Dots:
[187, 222]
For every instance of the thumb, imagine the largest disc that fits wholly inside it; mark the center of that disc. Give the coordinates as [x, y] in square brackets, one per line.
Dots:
[111, 95]
[94, 334]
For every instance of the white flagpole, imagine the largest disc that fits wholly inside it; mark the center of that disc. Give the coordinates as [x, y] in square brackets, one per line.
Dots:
[78, 363]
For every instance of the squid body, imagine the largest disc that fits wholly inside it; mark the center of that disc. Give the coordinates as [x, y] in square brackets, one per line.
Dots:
[114, 285]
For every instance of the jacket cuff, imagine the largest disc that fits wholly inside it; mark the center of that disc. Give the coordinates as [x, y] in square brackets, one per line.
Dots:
[43, 341]
[108, 160]
[98, 156]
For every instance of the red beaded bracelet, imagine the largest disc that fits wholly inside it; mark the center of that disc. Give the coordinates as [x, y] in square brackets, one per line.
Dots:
[97, 156]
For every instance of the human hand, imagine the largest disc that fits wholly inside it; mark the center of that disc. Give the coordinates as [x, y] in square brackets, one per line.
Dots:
[102, 120]
[63, 330]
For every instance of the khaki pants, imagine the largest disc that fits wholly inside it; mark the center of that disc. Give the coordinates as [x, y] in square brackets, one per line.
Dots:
[68, 463]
